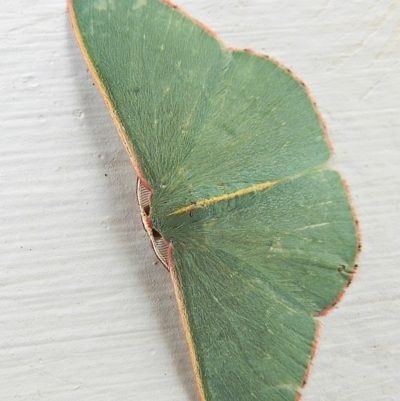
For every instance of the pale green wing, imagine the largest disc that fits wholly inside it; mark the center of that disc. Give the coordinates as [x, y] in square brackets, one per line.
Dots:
[251, 272]
[158, 71]
[262, 127]
[202, 120]
[232, 149]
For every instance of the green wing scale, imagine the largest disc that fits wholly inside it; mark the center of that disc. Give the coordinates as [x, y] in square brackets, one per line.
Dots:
[231, 155]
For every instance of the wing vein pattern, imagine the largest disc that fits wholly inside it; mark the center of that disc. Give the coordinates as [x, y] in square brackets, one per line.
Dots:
[229, 142]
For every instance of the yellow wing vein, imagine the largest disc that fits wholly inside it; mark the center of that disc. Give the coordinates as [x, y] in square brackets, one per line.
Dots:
[207, 202]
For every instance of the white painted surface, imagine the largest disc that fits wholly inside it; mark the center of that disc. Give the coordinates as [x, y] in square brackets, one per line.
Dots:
[84, 314]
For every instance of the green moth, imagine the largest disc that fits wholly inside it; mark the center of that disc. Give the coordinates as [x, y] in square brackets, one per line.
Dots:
[257, 233]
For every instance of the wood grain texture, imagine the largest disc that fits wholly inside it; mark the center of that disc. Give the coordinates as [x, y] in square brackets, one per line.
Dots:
[84, 314]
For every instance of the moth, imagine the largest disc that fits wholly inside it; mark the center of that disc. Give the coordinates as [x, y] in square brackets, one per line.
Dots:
[231, 154]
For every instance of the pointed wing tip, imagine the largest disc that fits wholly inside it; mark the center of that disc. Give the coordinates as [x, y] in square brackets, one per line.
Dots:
[341, 294]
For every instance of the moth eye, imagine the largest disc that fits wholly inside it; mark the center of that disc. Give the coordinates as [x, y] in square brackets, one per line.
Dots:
[156, 234]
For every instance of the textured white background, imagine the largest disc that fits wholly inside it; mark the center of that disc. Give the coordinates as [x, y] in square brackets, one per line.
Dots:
[86, 311]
